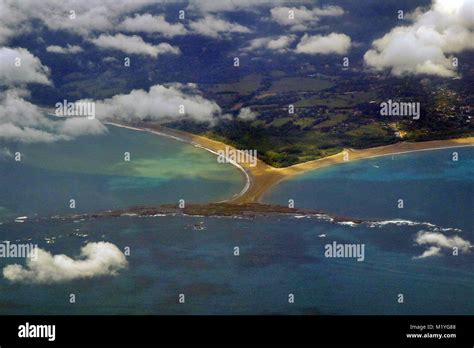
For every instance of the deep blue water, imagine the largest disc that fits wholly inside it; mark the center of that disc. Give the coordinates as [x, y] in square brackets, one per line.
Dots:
[279, 255]
[433, 188]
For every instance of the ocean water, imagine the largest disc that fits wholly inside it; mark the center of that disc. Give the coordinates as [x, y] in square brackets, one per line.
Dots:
[279, 255]
[92, 171]
[433, 187]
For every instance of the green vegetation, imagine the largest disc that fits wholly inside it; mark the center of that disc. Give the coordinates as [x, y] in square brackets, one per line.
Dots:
[299, 84]
[246, 85]
[304, 122]
[331, 113]
[278, 122]
[373, 130]
[345, 100]
[331, 121]
[288, 143]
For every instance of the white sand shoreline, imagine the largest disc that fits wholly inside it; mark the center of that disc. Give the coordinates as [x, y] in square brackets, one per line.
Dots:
[262, 177]
[242, 169]
[265, 177]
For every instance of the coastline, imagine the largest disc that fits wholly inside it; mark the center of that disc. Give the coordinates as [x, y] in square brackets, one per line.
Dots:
[185, 138]
[262, 177]
[179, 136]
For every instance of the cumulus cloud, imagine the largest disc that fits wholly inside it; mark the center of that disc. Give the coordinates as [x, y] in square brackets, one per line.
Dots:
[213, 26]
[279, 43]
[152, 24]
[134, 45]
[431, 251]
[426, 46]
[302, 18]
[161, 102]
[12, 132]
[94, 17]
[69, 49]
[246, 114]
[96, 259]
[318, 44]
[437, 241]
[90, 16]
[21, 121]
[15, 110]
[29, 70]
[74, 127]
[214, 6]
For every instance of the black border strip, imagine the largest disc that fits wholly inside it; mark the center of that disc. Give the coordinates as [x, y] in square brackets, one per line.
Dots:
[135, 330]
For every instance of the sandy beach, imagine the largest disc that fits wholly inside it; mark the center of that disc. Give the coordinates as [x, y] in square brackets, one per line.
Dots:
[262, 177]
[265, 177]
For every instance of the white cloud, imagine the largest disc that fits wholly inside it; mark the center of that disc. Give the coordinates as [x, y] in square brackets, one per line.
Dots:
[214, 6]
[30, 69]
[438, 241]
[91, 16]
[246, 114]
[215, 27]
[161, 102]
[152, 24]
[318, 44]
[302, 18]
[96, 259]
[95, 17]
[431, 251]
[12, 132]
[279, 43]
[12, 21]
[426, 46]
[74, 127]
[110, 59]
[69, 49]
[14, 109]
[21, 121]
[134, 45]
[328, 11]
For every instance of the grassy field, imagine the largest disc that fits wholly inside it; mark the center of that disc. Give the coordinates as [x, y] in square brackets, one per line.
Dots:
[331, 121]
[299, 84]
[278, 122]
[327, 118]
[373, 130]
[304, 122]
[289, 140]
[337, 100]
[246, 85]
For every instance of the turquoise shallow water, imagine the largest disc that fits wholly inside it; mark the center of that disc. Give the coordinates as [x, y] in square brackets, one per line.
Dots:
[92, 171]
[278, 255]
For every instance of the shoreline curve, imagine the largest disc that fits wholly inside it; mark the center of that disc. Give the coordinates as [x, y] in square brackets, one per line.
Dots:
[262, 177]
[195, 144]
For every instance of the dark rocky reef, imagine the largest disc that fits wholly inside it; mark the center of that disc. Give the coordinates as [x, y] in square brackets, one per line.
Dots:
[212, 209]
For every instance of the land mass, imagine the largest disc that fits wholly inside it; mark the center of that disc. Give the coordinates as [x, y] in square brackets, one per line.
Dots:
[247, 210]
[261, 177]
